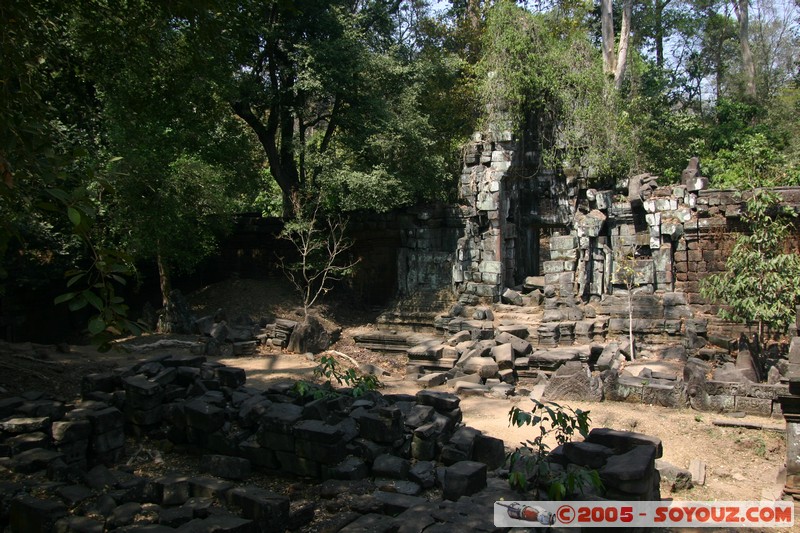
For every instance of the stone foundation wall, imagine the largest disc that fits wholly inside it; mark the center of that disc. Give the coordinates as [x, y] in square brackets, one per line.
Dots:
[518, 228]
[406, 455]
[555, 231]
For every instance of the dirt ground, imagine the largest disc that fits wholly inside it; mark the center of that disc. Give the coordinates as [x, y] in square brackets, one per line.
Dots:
[742, 464]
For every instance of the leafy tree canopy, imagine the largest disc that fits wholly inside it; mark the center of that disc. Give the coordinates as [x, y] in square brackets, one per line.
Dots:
[761, 282]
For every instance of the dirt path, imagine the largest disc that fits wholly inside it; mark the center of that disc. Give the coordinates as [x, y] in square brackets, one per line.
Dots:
[742, 464]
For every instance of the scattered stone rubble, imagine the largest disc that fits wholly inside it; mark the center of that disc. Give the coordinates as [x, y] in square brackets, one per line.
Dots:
[59, 458]
[545, 249]
[481, 358]
[241, 336]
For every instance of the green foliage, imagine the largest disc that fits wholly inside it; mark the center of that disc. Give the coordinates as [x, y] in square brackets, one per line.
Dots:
[268, 200]
[753, 162]
[185, 163]
[534, 64]
[761, 282]
[358, 384]
[96, 286]
[667, 134]
[50, 216]
[358, 113]
[561, 423]
[177, 213]
[401, 144]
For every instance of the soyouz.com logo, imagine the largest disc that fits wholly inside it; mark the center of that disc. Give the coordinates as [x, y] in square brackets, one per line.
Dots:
[644, 514]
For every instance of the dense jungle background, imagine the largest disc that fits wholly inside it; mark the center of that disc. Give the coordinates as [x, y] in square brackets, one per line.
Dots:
[133, 132]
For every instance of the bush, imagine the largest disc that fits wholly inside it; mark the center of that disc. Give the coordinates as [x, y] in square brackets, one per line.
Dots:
[562, 423]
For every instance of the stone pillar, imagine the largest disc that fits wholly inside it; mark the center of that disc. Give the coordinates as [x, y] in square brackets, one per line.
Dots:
[790, 406]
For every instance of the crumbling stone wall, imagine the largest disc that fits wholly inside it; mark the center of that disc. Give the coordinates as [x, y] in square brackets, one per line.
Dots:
[550, 230]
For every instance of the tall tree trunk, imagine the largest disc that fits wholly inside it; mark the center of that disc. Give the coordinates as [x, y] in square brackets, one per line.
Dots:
[624, 41]
[658, 30]
[164, 279]
[742, 9]
[281, 165]
[607, 35]
[630, 325]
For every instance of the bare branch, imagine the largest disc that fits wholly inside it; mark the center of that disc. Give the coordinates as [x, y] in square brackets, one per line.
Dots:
[321, 243]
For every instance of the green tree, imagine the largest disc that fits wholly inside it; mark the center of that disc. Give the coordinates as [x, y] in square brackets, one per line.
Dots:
[625, 273]
[185, 161]
[337, 95]
[753, 162]
[322, 250]
[761, 281]
[529, 464]
[532, 68]
[48, 126]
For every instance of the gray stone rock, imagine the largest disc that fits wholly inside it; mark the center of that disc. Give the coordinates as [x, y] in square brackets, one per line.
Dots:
[680, 478]
[19, 425]
[511, 297]
[573, 381]
[464, 478]
[623, 441]
[33, 515]
[729, 372]
[176, 516]
[394, 504]
[441, 401]
[587, 454]
[219, 523]
[312, 336]
[372, 522]
[632, 465]
[380, 429]
[391, 466]
[504, 356]
[423, 473]
[489, 451]
[486, 367]
[34, 460]
[124, 515]
[73, 494]
[269, 511]
[399, 486]
[432, 380]
[352, 468]
[203, 415]
[520, 346]
[78, 524]
[226, 467]
[172, 489]
[209, 488]
[419, 415]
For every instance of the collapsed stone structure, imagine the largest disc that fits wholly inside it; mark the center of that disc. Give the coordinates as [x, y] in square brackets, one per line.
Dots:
[529, 229]
[538, 275]
[388, 448]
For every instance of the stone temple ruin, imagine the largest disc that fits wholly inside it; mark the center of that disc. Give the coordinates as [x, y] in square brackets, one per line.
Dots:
[527, 267]
[408, 461]
[535, 262]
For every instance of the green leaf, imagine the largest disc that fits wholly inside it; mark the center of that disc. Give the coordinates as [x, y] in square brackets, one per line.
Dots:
[74, 216]
[59, 195]
[75, 279]
[93, 299]
[96, 325]
[64, 298]
[77, 303]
